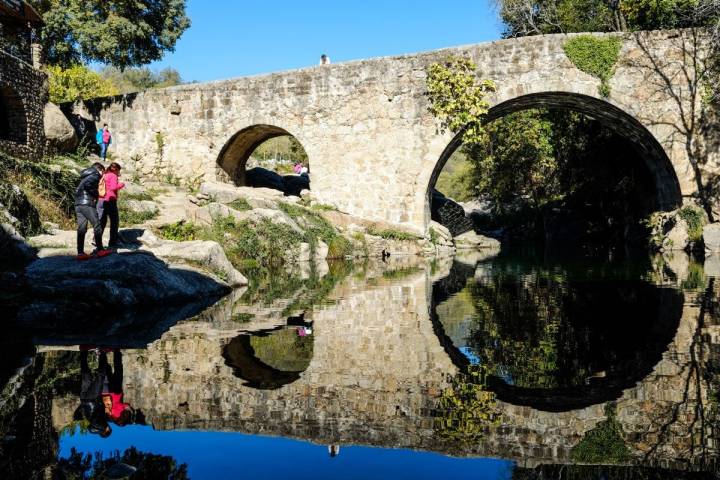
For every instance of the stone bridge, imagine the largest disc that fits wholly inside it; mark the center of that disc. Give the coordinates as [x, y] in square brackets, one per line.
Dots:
[377, 370]
[374, 149]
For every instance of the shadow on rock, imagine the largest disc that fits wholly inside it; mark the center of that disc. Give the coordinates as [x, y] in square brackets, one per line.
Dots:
[112, 296]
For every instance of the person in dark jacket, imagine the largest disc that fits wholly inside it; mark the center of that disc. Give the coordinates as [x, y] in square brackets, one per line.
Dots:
[86, 197]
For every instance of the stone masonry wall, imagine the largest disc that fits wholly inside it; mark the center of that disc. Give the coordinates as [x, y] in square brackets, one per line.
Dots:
[25, 88]
[373, 147]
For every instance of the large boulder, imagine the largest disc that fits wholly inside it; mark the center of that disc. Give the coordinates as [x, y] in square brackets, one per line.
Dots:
[677, 238]
[205, 254]
[14, 251]
[471, 240]
[127, 280]
[59, 132]
[711, 237]
[449, 213]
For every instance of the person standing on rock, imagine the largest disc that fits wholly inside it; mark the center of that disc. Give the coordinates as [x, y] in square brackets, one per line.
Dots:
[107, 204]
[86, 198]
[104, 138]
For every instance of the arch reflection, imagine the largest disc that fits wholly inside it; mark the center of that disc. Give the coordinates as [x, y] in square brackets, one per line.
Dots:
[269, 359]
[558, 337]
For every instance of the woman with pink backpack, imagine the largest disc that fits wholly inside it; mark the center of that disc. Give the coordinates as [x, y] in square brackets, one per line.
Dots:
[107, 207]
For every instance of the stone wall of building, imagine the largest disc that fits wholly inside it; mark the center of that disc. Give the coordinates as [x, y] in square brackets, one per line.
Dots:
[23, 95]
[374, 149]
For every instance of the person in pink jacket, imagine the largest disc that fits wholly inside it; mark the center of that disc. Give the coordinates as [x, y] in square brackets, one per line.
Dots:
[107, 204]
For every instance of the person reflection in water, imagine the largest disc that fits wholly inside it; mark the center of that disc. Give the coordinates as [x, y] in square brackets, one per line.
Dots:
[91, 409]
[116, 410]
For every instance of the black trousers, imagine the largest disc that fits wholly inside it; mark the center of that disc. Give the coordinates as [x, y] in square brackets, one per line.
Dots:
[85, 214]
[109, 209]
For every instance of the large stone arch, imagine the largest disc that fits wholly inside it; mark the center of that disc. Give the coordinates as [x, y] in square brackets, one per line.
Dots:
[654, 156]
[13, 116]
[237, 150]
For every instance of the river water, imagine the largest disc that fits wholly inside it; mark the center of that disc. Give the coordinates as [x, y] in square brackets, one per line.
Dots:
[491, 366]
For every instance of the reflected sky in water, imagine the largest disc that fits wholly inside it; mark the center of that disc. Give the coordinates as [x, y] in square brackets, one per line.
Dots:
[233, 455]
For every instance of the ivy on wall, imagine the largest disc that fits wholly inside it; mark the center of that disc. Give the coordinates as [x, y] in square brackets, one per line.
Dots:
[595, 56]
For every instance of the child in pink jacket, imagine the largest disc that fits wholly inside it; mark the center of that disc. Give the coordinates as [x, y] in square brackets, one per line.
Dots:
[107, 204]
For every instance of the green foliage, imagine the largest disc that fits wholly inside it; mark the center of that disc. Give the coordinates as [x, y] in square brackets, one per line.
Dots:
[242, 317]
[695, 280]
[77, 82]
[694, 218]
[456, 97]
[467, 409]
[324, 207]
[285, 150]
[595, 56]
[391, 233]
[112, 32]
[434, 237]
[400, 273]
[141, 196]
[128, 216]
[264, 243]
[538, 17]
[604, 443]
[49, 185]
[140, 79]
[77, 466]
[241, 205]
[456, 180]
[659, 14]
[180, 231]
[316, 228]
[517, 160]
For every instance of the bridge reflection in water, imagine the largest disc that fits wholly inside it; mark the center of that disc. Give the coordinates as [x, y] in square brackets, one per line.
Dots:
[564, 351]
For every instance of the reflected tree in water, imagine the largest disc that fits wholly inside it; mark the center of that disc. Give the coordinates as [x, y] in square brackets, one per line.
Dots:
[148, 466]
[549, 329]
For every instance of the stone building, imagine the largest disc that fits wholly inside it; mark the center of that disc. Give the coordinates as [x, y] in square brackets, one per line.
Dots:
[23, 86]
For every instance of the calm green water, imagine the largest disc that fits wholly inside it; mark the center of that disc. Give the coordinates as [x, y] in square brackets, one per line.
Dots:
[479, 366]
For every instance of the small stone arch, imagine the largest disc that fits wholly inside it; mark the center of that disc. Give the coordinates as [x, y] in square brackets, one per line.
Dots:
[13, 116]
[237, 150]
[659, 165]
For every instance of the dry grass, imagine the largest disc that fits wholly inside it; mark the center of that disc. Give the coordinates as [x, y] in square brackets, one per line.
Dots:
[48, 208]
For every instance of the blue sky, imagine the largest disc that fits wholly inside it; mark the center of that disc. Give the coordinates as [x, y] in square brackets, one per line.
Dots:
[231, 38]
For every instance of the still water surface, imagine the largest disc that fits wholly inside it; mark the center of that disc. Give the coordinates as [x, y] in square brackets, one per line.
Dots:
[481, 366]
